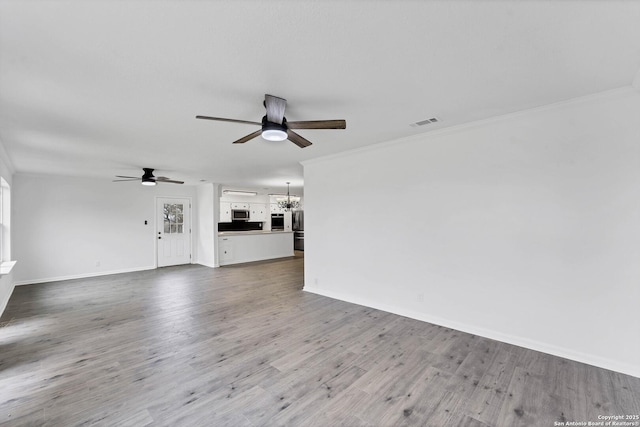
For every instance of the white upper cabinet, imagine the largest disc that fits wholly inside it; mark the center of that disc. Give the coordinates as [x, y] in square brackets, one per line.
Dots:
[225, 212]
[258, 212]
[236, 205]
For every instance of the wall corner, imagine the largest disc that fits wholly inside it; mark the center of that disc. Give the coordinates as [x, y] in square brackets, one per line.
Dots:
[636, 81]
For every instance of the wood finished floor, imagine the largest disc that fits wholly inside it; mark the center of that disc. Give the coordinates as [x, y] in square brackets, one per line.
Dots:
[245, 346]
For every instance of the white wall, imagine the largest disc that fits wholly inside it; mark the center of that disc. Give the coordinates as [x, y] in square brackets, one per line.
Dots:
[524, 228]
[64, 226]
[207, 214]
[6, 281]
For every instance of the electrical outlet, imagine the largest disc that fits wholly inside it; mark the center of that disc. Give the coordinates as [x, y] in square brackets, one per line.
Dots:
[97, 263]
[420, 297]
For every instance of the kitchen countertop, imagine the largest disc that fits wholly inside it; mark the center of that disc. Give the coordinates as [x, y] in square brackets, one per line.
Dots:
[246, 233]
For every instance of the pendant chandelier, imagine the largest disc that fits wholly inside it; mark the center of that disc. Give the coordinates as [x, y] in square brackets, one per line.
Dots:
[288, 204]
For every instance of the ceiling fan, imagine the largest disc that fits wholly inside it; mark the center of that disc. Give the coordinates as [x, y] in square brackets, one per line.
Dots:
[148, 178]
[275, 127]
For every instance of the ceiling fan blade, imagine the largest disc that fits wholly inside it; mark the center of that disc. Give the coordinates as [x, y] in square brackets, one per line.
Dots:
[221, 119]
[275, 108]
[248, 137]
[318, 124]
[121, 180]
[170, 181]
[132, 177]
[297, 139]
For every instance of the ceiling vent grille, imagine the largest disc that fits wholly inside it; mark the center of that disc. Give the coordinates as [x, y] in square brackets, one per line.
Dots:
[425, 122]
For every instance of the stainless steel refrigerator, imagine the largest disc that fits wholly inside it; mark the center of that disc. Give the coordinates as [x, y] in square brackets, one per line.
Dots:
[298, 230]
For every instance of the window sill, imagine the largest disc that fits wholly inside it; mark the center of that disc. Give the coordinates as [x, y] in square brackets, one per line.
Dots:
[6, 266]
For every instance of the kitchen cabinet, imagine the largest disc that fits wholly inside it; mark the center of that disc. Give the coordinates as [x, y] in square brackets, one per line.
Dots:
[226, 250]
[275, 208]
[258, 212]
[246, 246]
[235, 205]
[288, 222]
[225, 212]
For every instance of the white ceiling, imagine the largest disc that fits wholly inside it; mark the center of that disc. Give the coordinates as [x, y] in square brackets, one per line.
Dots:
[104, 88]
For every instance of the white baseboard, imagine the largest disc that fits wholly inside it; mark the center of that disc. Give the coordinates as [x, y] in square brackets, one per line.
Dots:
[81, 276]
[567, 353]
[207, 264]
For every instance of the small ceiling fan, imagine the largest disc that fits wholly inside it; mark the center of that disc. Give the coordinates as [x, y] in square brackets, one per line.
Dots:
[275, 127]
[148, 178]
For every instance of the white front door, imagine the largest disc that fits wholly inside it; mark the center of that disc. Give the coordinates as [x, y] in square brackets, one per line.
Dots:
[174, 231]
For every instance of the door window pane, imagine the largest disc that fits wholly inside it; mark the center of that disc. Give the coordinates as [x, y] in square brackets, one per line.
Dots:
[173, 218]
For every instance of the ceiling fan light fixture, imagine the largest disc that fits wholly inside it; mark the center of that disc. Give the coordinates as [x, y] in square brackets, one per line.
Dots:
[274, 135]
[273, 131]
[148, 182]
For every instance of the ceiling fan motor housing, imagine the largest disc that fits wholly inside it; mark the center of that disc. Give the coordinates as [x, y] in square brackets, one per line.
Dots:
[148, 178]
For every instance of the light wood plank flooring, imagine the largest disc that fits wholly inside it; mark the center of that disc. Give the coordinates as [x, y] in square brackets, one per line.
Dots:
[245, 346]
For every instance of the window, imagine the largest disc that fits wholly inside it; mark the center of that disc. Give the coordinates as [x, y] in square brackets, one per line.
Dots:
[5, 220]
[5, 227]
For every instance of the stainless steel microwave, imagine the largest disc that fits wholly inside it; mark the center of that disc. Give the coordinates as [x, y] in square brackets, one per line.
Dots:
[240, 215]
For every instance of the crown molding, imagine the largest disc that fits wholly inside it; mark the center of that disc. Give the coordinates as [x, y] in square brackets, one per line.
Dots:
[609, 94]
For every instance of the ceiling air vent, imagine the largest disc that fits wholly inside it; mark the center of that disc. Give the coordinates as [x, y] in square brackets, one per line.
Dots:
[425, 122]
